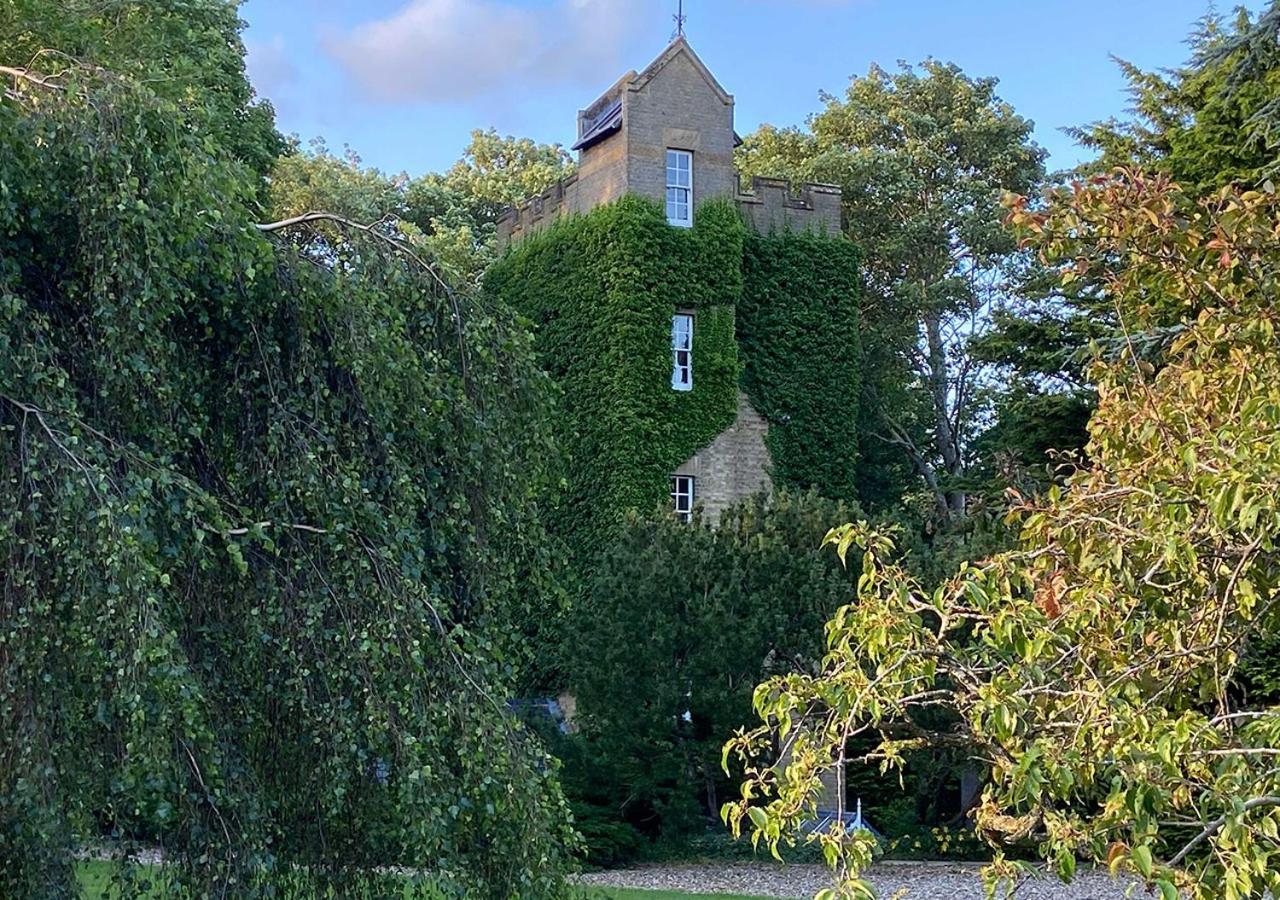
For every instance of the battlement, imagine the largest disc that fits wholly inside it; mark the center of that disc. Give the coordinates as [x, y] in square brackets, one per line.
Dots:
[538, 212]
[767, 204]
[770, 204]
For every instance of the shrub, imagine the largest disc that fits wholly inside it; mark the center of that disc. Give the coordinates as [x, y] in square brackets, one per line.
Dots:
[678, 624]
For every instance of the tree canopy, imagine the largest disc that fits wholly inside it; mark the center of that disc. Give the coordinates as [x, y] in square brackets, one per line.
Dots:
[1208, 123]
[269, 514]
[923, 156]
[1096, 665]
[451, 216]
[188, 52]
[1212, 122]
[502, 171]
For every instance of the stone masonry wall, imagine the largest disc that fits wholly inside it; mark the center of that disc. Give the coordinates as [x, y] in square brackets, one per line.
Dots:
[538, 212]
[732, 467]
[672, 104]
[676, 108]
[770, 205]
[602, 167]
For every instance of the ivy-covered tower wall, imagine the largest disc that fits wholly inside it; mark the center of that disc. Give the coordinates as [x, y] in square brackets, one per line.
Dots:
[605, 261]
[799, 335]
[776, 325]
[600, 289]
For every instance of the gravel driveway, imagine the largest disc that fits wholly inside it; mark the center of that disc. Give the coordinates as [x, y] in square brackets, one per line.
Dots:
[912, 881]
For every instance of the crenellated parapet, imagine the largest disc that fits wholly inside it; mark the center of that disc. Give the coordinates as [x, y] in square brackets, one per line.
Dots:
[767, 204]
[538, 212]
[770, 204]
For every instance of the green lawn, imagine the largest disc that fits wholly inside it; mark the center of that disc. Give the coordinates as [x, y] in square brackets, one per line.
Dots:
[95, 876]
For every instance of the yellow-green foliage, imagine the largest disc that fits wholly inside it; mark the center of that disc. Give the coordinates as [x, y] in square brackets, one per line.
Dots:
[1094, 667]
[601, 289]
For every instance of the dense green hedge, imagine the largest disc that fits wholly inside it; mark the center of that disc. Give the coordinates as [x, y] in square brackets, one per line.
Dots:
[798, 324]
[601, 289]
[718, 610]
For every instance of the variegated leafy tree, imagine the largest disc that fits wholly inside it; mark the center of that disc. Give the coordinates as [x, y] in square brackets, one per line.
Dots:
[1095, 669]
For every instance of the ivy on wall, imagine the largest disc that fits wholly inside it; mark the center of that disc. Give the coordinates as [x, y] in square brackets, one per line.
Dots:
[798, 325]
[601, 289]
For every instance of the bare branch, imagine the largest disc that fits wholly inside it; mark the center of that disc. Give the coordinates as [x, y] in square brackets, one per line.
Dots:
[18, 74]
[238, 532]
[1216, 825]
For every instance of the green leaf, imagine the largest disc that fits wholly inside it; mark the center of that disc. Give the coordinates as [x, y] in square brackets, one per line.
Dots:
[1143, 861]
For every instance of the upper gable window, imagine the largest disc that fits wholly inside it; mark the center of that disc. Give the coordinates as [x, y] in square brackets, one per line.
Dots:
[680, 188]
[682, 352]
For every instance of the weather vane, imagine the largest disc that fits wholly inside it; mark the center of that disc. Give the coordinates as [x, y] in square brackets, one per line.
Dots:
[680, 18]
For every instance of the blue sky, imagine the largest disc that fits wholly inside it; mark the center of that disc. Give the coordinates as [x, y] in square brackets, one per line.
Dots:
[403, 82]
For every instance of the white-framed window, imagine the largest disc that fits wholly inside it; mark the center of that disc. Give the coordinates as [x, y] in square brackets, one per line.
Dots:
[680, 188]
[682, 497]
[682, 352]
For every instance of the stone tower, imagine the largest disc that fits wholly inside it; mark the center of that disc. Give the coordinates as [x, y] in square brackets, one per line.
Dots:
[623, 142]
[667, 134]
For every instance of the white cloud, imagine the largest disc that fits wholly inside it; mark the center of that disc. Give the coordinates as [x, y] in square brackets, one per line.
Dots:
[449, 50]
[269, 67]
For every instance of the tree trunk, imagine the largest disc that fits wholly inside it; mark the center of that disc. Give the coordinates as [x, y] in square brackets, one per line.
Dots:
[947, 443]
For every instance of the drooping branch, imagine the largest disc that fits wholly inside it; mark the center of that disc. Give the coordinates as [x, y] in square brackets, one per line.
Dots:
[28, 410]
[370, 228]
[28, 74]
[400, 246]
[21, 74]
[309, 217]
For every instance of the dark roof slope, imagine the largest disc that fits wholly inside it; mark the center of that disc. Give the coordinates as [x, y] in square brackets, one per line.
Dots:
[606, 123]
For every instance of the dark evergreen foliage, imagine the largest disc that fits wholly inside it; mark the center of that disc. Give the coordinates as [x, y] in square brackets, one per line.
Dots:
[681, 622]
[1209, 123]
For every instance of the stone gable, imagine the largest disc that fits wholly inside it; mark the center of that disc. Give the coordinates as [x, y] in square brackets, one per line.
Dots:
[675, 103]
